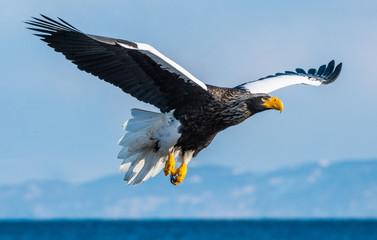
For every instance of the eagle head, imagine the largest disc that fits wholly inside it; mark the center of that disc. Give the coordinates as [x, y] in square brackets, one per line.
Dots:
[261, 102]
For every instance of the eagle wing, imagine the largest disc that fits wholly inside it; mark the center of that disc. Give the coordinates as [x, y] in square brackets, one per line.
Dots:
[136, 68]
[324, 75]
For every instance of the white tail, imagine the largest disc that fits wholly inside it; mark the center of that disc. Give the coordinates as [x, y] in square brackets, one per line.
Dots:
[149, 139]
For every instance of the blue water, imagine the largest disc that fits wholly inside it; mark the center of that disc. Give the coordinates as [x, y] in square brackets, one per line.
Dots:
[181, 230]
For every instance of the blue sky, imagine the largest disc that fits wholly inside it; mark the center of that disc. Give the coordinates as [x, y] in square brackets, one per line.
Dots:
[60, 123]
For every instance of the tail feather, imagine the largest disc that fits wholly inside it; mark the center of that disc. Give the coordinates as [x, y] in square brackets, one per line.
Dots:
[125, 166]
[135, 168]
[159, 166]
[126, 163]
[138, 126]
[140, 113]
[123, 154]
[129, 137]
[150, 162]
[145, 131]
[135, 121]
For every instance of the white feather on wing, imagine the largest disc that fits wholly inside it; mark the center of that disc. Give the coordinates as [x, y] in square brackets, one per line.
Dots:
[324, 75]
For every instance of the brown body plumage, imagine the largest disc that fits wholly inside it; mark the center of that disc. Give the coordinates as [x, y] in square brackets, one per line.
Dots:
[220, 109]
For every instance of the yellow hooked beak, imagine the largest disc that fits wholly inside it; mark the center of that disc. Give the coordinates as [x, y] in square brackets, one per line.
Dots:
[274, 103]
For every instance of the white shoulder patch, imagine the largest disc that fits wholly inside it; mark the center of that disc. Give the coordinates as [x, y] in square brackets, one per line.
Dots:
[165, 62]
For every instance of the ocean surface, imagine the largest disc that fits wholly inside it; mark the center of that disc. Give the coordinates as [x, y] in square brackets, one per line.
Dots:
[190, 229]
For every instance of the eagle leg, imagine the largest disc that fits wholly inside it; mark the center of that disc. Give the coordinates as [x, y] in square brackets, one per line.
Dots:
[177, 175]
[169, 165]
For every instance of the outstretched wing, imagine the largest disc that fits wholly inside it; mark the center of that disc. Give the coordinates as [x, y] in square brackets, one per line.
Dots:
[324, 75]
[136, 68]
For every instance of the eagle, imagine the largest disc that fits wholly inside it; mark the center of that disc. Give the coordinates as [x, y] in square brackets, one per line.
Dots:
[191, 112]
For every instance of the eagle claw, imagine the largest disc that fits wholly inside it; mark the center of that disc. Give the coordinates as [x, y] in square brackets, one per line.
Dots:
[177, 176]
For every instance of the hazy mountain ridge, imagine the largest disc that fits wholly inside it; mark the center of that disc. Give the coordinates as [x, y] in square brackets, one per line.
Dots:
[347, 189]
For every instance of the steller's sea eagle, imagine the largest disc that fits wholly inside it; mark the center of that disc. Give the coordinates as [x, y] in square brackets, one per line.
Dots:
[192, 112]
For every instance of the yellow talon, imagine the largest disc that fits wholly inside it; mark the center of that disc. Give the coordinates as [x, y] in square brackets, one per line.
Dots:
[179, 174]
[169, 165]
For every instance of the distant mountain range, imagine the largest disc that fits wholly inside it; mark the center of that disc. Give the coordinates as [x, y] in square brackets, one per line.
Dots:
[346, 189]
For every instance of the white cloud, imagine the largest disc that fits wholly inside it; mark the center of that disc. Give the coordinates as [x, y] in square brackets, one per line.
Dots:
[313, 177]
[276, 181]
[245, 190]
[33, 192]
[188, 198]
[324, 163]
[196, 179]
[40, 211]
[134, 207]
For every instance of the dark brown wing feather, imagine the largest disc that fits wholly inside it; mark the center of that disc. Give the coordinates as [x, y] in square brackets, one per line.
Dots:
[127, 68]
